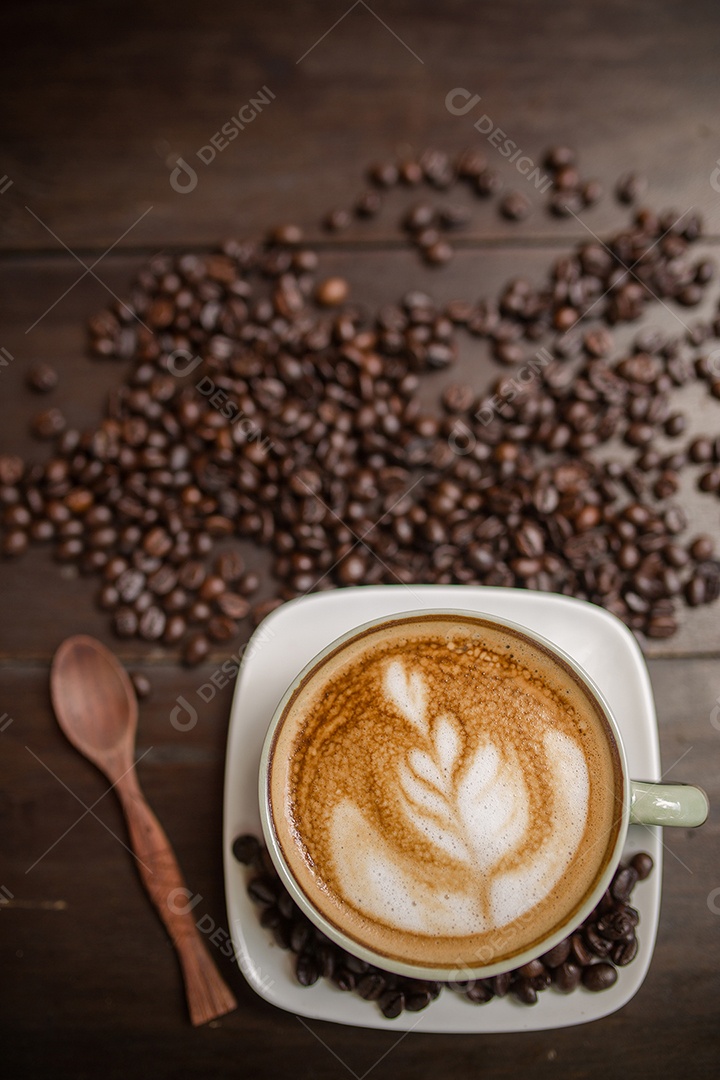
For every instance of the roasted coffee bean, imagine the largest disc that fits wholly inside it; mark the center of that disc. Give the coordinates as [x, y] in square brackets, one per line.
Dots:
[479, 992]
[307, 969]
[293, 931]
[559, 157]
[624, 952]
[372, 985]
[263, 889]
[337, 220]
[300, 937]
[599, 945]
[344, 979]
[152, 624]
[501, 983]
[515, 207]
[42, 377]
[129, 585]
[232, 605]
[437, 253]
[624, 882]
[417, 999]
[531, 969]
[196, 649]
[566, 977]
[702, 548]
[557, 955]
[579, 950]
[332, 292]
[125, 622]
[458, 397]
[599, 976]
[143, 686]
[11, 469]
[369, 204]
[246, 849]
[616, 925]
[630, 187]
[391, 1003]
[14, 542]
[642, 864]
[524, 991]
[48, 424]
[173, 468]
[384, 174]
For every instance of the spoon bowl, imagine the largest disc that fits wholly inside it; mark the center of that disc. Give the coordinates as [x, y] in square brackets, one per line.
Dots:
[94, 700]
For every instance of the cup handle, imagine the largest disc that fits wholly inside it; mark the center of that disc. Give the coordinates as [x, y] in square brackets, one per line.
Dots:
[667, 804]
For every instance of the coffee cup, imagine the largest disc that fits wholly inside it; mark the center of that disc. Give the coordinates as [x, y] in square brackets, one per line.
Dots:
[445, 794]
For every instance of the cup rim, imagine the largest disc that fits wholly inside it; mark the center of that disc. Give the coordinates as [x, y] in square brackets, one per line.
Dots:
[464, 971]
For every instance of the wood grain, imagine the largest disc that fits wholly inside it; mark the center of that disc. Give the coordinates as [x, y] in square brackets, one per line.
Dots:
[99, 102]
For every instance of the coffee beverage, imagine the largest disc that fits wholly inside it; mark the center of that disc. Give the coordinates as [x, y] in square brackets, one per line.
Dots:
[444, 790]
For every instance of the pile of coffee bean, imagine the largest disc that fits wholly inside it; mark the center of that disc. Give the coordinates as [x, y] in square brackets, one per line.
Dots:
[261, 403]
[589, 957]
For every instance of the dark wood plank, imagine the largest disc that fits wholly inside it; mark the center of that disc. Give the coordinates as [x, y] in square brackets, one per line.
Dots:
[98, 110]
[99, 102]
[95, 984]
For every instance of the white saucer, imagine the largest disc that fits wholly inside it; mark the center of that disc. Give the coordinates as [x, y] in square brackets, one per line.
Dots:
[282, 645]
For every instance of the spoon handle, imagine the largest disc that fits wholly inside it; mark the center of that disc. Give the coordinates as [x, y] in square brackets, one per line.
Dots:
[207, 994]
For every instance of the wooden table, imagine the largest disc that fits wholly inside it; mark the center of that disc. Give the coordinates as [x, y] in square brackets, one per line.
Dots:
[99, 103]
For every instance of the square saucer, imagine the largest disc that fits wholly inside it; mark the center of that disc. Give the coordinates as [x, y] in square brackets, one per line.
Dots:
[285, 642]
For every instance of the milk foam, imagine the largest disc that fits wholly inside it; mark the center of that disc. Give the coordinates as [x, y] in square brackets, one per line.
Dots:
[440, 788]
[479, 818]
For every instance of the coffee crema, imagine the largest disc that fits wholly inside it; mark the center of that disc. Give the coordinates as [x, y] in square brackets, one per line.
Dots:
[444, 790]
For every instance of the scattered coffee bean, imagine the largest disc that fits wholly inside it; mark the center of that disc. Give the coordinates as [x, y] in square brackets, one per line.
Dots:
[515, 207]
[599, 976]
[42, 377]
[332, 292]
[384, 174]
[143, 686]
[171, 472]
[642, 863]
[630, 188]
[567, 976]
[246, 849]
[48, 424]
[368, 205]
[559, 968]
[337, 220]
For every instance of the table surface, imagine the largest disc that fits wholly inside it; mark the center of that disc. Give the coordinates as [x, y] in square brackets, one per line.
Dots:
[100, 100]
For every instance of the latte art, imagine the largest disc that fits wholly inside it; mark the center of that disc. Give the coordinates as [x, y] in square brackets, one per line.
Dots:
[444, 789]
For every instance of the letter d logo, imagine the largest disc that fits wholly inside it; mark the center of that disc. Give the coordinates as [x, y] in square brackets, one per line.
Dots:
[715, 177]
[183, 709]
[715, 715]
[469, 101]
[183, 178]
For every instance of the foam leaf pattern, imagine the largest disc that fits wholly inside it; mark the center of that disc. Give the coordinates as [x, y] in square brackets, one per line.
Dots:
[408, 693]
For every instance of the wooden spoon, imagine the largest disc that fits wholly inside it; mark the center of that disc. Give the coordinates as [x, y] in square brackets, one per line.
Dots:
[96, 707]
